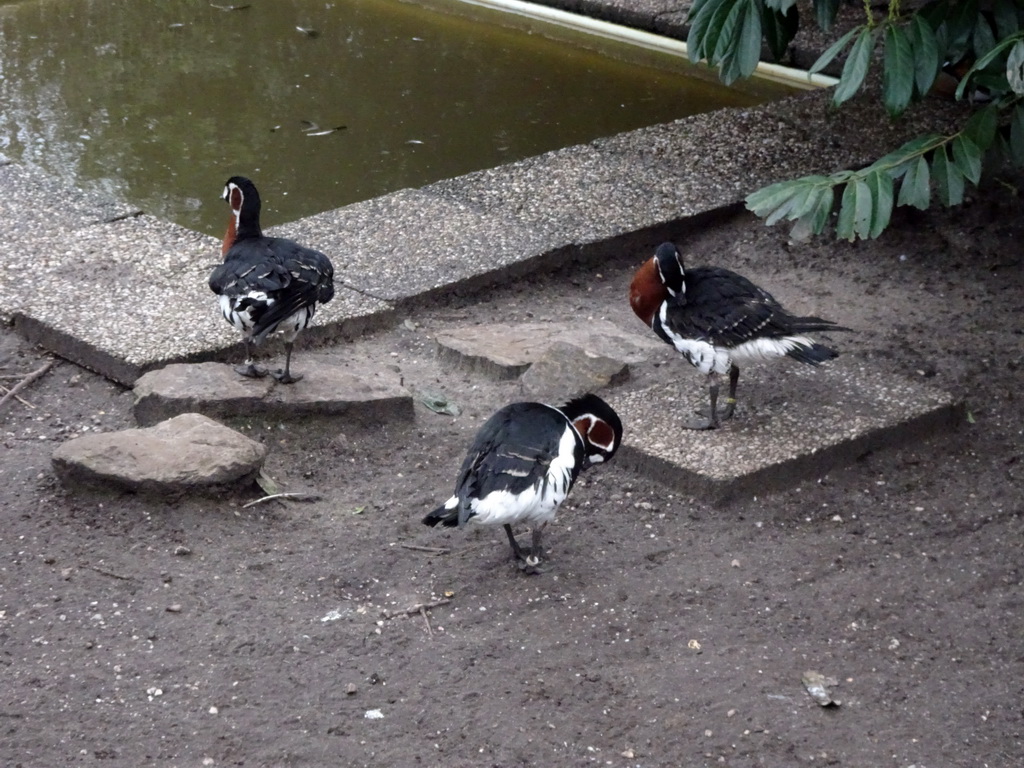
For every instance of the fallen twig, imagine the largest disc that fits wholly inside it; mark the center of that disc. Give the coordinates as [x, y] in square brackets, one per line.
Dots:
[426, 620]
[297, 496]
[19, 398]
[26, 381]
[431, 550]
[420, 608]
[111, 574]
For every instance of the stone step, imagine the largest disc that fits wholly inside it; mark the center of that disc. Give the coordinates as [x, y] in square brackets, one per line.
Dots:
[327, 393]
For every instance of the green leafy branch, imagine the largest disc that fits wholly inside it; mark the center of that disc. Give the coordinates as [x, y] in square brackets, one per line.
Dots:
[905, 176]
[987, 45]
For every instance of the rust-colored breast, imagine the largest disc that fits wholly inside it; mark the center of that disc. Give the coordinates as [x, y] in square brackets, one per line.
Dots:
[229, 237]
[235, 201]
[646, 292]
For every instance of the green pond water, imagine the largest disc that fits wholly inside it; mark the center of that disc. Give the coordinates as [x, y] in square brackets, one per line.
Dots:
[159, 102]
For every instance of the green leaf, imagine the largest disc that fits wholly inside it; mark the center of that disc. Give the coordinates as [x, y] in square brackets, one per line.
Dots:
[898, 72]
[880, 185]
[803, 201]
[982, 41]
[784, 210]
[915, 190]
[833, 50]
[926, 54]
[767, 199]
[856, 67]
[731, 19]
[855, 211]
[898, 162]
[1001, 148]
[917, 145]
[267, 483]
[959, 20]
[967, 158]
[1007, 21]
[982, 125]
[818, 218]
[1016, 139]
[706, 18]
[439, 403]
[847, 206]
[825, 11]
[948, 179]
[1015, 68]
[981, 63]
[782, 6]
[779, 29]
[748, 48]
[864, 209]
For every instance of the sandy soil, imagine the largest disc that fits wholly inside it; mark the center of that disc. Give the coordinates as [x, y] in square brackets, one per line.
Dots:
[667, 632]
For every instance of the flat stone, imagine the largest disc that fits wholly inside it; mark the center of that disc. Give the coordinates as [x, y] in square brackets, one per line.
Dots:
[354, 392]
[507, 351]
[566, 370]
[792, 423]
[187, 453]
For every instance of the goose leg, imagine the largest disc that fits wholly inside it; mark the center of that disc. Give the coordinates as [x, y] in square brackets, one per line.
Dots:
[536, 550]
[248, 368]
[712, 421]
[285, 376]
[516, 549]
[730, 401]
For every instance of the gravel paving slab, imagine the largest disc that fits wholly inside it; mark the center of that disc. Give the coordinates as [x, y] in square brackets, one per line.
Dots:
[130, 295]
[792, 423]
[411, 244]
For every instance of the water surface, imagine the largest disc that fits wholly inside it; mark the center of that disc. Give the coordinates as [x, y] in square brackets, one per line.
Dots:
[159, 102]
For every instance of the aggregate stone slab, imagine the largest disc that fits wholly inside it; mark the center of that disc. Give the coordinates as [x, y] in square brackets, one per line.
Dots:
[792, 423]
[126, 296]
[505, 351]
[327, 392]
[33, 205]
[409, 244]
[645, 178]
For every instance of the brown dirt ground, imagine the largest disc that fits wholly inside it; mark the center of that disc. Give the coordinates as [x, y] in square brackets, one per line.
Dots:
[667, 632]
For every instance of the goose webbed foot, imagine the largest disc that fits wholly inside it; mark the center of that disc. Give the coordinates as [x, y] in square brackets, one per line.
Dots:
[285, 376]
[250, 371]
[527, 558]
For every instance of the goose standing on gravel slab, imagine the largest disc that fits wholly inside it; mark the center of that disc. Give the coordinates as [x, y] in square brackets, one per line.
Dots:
[719, 320]
[266, 284]
[523, 463]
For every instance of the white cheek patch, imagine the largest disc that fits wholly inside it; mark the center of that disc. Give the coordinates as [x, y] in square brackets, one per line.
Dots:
[596, 432]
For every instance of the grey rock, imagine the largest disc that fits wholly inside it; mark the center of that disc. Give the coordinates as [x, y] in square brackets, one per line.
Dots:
[507, 351]
[356, 392]
[187, 453]
[567, 370]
